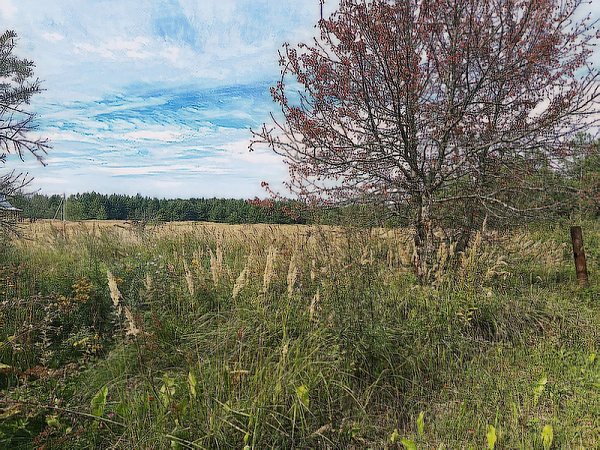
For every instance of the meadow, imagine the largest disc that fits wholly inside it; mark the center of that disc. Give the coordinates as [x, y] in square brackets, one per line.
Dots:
[197, 335]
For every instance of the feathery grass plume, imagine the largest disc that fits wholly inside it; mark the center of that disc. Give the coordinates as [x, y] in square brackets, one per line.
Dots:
[292, 275]
[313, 269]
[439, 269]
[219, 254]
[252, 262]
[115, 295]
[314, 306]
[148, 284]
[469, 258]
[198, 255]
[367, 260]
[240, 282]
[188, 278]
[269, 269]
[406, 254]
[498, 269]
[132, 329]
[214, 267]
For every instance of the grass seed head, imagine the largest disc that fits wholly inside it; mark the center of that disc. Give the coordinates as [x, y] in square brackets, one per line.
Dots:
[269, 269]
[314, 306]
[132, 329]
[188, 278]
[240, 282]
[292, 275]
[115, 295]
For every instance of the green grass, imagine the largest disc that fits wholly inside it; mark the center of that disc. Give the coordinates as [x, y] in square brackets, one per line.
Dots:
[329, 341]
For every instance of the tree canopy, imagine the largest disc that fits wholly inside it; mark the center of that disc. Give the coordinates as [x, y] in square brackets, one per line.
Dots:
[447, 110]
[17, 86]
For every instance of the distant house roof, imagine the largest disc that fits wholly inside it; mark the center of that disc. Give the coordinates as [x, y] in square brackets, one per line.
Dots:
[5, 206]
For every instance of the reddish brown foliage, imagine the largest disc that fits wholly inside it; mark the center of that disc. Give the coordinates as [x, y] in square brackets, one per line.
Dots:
[434, 102]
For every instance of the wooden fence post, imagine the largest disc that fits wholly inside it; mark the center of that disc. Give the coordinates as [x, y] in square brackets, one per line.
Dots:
[579, 256]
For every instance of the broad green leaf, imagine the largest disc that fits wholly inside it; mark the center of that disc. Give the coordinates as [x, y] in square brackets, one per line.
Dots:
[408, 445]
[52, 421]
[99, 401]
[491, 437]
[302, 393]
[395, 435]
[421, 423]
[192, 383]
[539, 388]
[122, 410]
[547, 436]
[167, 391]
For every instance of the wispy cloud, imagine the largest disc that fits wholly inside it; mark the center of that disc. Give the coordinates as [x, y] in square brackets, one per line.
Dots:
[155, 97]
[152, 132]
[53, 37]
[7, 9]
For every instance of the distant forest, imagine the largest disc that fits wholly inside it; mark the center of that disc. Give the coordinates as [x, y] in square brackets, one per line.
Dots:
[122, 207]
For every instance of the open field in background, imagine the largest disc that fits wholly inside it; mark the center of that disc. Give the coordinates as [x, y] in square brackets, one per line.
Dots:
[197, 335]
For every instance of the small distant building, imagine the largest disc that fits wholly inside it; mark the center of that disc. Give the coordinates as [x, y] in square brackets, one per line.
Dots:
[8, 212]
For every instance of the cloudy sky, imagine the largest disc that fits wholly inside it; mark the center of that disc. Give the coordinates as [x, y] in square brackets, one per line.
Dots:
[156, 96]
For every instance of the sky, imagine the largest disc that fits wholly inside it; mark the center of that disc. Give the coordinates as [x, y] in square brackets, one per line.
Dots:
[156, 97]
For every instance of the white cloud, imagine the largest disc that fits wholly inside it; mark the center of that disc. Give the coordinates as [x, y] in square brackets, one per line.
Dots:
[7, 9]
[164, 169]
[89, 48]
[171, 54]
[138, 48]
[53, 37]
[162, 136]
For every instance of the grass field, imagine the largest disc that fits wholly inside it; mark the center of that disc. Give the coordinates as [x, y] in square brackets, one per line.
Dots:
[183, 335]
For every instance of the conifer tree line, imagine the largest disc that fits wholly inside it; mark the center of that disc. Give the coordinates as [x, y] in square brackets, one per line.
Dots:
[97, 206]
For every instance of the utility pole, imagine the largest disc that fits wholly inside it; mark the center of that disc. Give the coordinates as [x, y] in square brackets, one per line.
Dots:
[63, 204]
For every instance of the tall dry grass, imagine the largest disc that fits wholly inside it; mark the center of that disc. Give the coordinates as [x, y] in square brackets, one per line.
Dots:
[302, 337]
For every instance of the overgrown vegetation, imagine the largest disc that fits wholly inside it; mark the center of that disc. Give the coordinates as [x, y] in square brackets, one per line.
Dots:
[213, 336]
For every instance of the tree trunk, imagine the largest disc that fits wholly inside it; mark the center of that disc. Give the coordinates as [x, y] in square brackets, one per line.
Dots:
[423, 239]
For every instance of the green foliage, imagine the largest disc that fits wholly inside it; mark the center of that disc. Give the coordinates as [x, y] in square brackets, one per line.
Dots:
[17, 87]
[491, 437]
[547, 437]
[584, 176]
[99, 402]
[151, 210]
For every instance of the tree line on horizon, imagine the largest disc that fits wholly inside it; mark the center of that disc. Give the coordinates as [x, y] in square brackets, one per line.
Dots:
[96, 206]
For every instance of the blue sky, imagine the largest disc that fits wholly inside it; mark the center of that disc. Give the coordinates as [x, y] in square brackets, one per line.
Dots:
[156, 97]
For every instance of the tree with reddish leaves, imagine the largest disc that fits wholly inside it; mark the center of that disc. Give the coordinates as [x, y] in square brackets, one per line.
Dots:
[452, 110]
